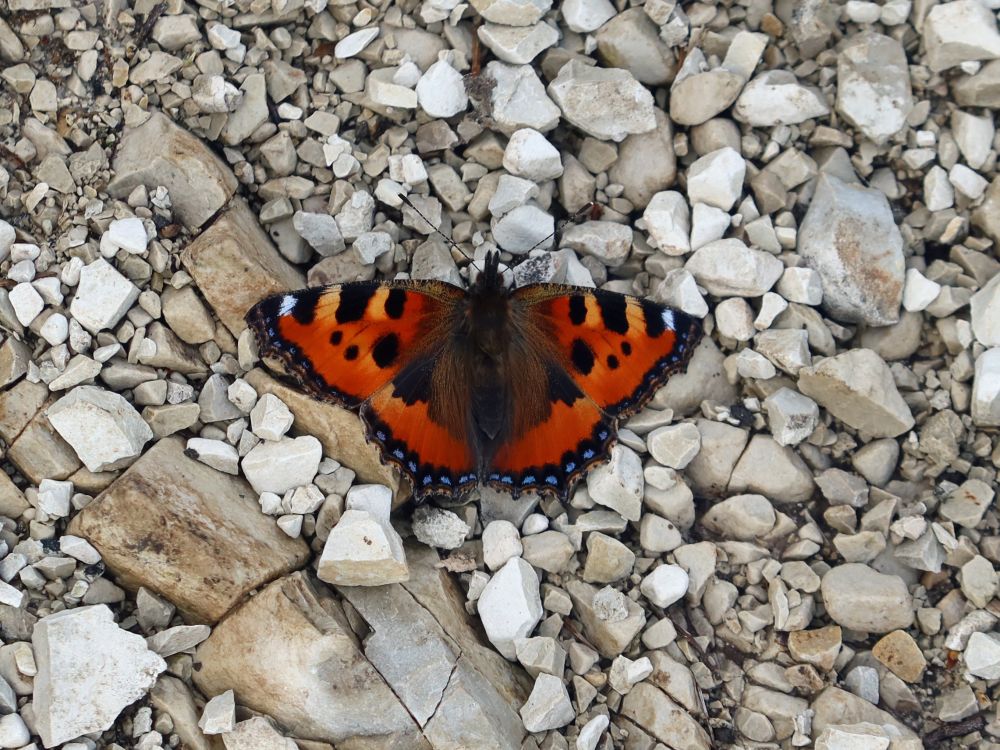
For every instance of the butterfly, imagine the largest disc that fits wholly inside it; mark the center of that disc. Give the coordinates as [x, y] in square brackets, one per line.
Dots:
[518, 389]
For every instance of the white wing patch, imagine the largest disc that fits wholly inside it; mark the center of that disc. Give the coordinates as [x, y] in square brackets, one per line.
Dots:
[287, 304]
[668, 319]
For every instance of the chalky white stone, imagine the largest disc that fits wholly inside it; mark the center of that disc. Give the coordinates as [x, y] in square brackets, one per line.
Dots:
[218, 454]
[717, 178]
[665, 585]
[26, 301]
[79, 548]
[363, 550]
[548, 706]
[89, 669]
[219, 714]
[959, 32]
[802, 285]
[352, 44]
[776, 97]
[102, 297]
[104, 429]
[607, 103]
[278, 466]
[530, 155]
[584, 16]
[668, 221]
[501, 542]
[618, 484]
[441, 90]
[675, 446]
[126, 234]
[985, 307]
[982, 655]
[270, 418]
[510, 606]
[728, 268]
[919, 291]
[873, 85]
[986, 389]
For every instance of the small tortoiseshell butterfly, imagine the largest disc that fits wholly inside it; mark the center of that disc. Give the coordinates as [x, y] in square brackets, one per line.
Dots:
[520, 389]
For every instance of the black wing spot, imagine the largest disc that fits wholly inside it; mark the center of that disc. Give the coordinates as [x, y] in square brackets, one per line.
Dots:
[612, 362]
[626, 348]
[336, 337]
[305, 305]
[577, 310]
[582, 356]
[654, 318]
[386, 350]
[394, 303]
[561, 386]
[413, 382]
[613, 311]
[353, 302]
[351, 352]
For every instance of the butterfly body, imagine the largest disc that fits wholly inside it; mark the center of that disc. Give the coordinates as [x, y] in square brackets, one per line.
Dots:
[520, 389]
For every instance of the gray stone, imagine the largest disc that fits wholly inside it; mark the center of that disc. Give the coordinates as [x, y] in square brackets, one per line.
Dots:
[850, 237]
[859, 598]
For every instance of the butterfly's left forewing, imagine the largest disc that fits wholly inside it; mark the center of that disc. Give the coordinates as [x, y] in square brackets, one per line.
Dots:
[618, 349]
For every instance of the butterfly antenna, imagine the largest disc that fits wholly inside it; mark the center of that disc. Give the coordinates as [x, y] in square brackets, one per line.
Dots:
[591, 211]
[447, 239]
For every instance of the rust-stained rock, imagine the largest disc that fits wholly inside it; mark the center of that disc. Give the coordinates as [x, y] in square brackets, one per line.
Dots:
[338, 429]
[159, 152]
[235, 265]
[289, 652]
[188, 532]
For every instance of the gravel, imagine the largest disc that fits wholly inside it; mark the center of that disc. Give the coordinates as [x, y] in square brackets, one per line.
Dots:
[793, 544]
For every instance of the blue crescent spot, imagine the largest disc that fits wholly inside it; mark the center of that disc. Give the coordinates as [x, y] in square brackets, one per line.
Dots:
[507, 480]
[602, 434]
[427, 479]
[528, 480]
[398, 454]
[412, 466]
[570, 466]
[550, 479]
[588, 453]
[380, 435]
[446, 481]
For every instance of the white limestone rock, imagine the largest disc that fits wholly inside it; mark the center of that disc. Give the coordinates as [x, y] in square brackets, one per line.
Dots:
[606, 103]
[619, 483]
[775, 97]
[667, 219]
[510, 606]
[441, 90]
[665, 585]
[985, 307]
[873, 85]
[986, 389]
[278, 466]
[728, 268]
[102, 297]
[717, 178]
[104, 429]
[530, 155]
[125, 234]
[919, 291]
[518, 100]
[363, 549]
[959, 32]
[849, 236]
[548, 706]
[89, 669]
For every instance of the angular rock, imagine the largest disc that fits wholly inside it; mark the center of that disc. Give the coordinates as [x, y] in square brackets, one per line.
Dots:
[235, 265]
[89, 669]
[775, 97]
[986, 389]
[873, 85]
[850, 237]
[363, 550]
[606, 103]
[106, 432]
[654, 711]
[857, 388]
[158, 152]
[609, 636]
[341, 696]
[518, 100]
[860, 598]
[728, 268]
[187, 532]
[548, 706]
[509, 606]
[772, 470]
[102, 297]
[281, 465]
[958, 32]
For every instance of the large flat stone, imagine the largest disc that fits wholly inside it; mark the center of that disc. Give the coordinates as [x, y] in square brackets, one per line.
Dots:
[158, 152]
[193, 535]
[235, 265]
[339, 430]
[289, 652]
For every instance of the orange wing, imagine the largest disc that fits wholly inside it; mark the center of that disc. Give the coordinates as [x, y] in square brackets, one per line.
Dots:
[609, 354]
[378, 346]
[617, 349]
[342, 343]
